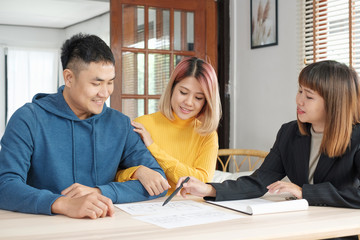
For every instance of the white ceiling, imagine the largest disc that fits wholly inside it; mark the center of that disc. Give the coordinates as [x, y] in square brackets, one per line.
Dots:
[50, 13]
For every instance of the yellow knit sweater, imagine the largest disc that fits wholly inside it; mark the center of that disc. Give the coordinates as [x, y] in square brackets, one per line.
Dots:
[178, 148]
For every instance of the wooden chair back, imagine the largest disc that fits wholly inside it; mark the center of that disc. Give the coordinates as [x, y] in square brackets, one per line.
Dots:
[239, 157]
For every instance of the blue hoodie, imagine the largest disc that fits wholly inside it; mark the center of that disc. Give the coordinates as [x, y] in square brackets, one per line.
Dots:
[46, 148]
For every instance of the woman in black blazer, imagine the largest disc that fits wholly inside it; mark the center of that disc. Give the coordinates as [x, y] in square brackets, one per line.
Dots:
[319, 153]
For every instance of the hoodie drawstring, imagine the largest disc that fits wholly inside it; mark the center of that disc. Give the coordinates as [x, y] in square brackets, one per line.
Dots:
[73, 151]
[94, 151]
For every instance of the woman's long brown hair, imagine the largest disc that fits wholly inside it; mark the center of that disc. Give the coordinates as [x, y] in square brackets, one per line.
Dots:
[338, 85]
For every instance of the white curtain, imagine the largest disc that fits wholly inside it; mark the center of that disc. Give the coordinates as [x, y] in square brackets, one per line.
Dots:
[30, 71]
[2, 90]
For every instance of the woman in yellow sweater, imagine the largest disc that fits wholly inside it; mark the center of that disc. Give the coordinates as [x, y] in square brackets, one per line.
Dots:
[182, 134]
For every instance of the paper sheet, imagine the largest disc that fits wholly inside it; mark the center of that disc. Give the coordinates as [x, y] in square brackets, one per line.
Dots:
[176, 213]
[188, 219]
[154, 208]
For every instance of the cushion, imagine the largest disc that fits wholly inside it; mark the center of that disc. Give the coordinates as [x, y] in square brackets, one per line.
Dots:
[220, 176]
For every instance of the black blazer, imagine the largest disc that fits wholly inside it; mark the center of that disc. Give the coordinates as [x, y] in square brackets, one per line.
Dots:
[336, 180]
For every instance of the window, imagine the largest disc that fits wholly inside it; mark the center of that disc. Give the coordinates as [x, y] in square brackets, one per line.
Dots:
[29, 71]
[149, 37]
[332, 31]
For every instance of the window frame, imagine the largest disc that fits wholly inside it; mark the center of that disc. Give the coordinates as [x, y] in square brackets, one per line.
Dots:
[203, 46]
[317, 32]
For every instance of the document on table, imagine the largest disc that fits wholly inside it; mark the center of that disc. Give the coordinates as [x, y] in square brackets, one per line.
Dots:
[153, 208]
[261, 206]
[176, 213]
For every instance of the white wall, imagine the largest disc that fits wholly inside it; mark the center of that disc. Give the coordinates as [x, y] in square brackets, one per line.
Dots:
[50, 37]
[30, 37]
[264, 80]
[99, 26]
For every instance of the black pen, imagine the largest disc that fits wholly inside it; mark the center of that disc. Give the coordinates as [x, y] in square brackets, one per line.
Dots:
[176, 191]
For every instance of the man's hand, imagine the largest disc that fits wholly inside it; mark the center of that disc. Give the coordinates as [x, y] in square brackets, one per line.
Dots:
[92, 205]
[153, 182]
[79, 190]
[196, 187]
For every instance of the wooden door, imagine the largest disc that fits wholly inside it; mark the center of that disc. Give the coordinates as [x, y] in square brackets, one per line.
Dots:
[148, 39]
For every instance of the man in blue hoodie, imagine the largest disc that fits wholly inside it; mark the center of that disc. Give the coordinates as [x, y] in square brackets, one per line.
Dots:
[60, 153]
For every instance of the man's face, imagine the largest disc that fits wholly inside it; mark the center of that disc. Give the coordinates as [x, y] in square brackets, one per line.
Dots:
[87, 91]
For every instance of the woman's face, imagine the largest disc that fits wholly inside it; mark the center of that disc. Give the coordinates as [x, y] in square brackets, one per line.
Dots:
[187, 98]
[311, 108]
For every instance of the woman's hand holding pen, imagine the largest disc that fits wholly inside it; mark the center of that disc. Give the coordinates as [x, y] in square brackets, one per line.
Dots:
[144, 134]
[196, 188]
[280, 187]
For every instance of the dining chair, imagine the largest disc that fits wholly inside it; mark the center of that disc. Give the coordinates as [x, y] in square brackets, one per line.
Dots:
[241, 157]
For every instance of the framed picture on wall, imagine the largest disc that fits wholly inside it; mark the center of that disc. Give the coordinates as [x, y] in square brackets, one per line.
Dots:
[264, 27]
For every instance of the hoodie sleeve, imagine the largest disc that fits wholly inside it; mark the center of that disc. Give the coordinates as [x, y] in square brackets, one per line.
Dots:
[15, 158]
[134, 154]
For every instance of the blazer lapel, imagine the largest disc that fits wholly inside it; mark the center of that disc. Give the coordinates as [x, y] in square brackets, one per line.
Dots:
[301, 161]
[323, 167]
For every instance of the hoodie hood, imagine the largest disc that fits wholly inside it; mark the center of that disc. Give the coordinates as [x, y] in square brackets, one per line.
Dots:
[56, 104]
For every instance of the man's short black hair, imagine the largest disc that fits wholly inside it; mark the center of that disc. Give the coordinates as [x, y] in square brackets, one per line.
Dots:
[86, 48]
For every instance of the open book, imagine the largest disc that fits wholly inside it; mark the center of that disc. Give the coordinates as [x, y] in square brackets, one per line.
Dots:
[261, 206]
